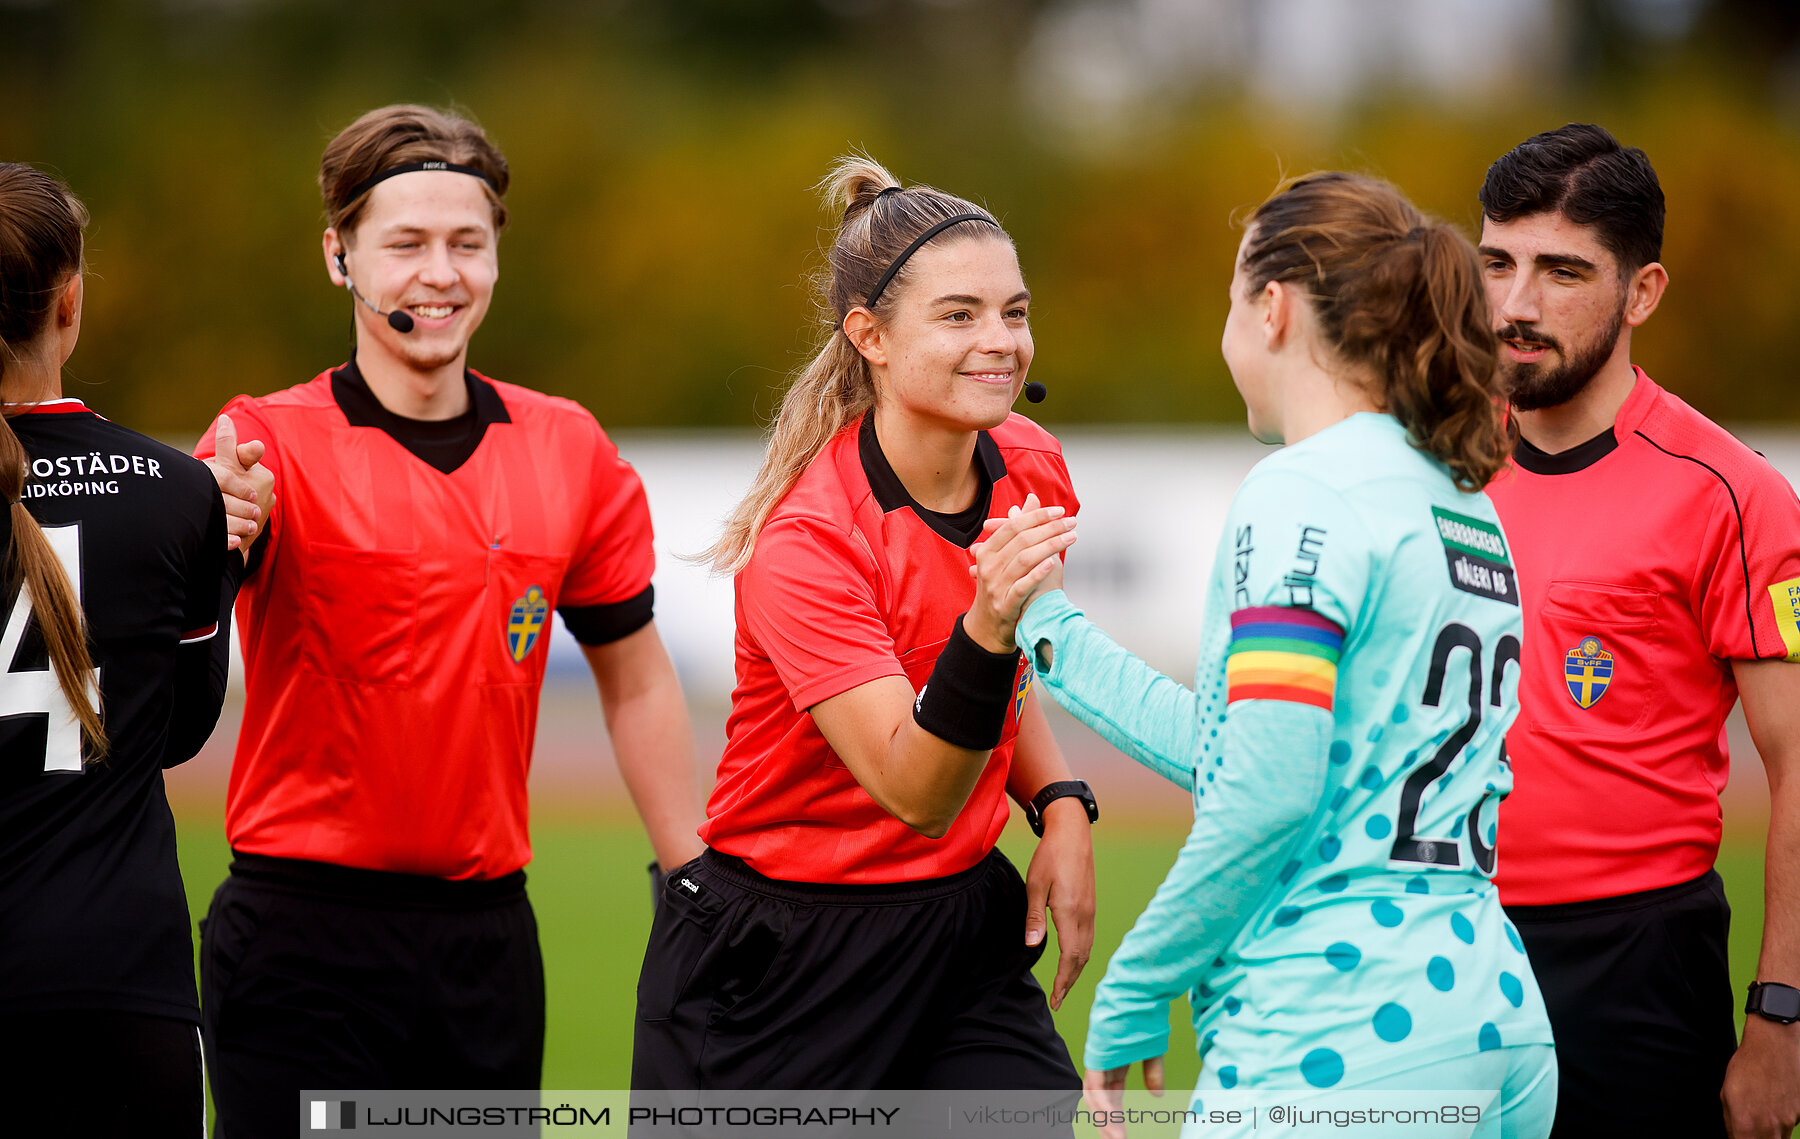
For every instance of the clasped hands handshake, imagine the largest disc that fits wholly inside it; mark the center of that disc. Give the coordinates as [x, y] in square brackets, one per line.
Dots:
[1018, 559]
[247, 485]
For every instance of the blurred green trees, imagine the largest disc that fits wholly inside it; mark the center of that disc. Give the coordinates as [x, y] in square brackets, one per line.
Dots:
[662, 152]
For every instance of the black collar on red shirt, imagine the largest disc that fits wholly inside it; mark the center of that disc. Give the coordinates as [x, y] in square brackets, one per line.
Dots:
[1577, 458]
[964, 526]
[444, 443]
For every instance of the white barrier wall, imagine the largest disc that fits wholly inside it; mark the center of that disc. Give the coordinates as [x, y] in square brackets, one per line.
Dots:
[1153, 504]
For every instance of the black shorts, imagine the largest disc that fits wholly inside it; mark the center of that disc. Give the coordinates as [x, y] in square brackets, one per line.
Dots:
[753, 983]
[322, 977]
[80, 1072]
[1639, 993]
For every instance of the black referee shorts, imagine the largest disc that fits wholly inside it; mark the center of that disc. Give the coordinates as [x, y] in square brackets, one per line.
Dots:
[98, 1072]
[750, 983]
[1639, 993]
[324, 977]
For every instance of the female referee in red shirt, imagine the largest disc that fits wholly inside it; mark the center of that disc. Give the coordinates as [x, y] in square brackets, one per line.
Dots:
[851, 924]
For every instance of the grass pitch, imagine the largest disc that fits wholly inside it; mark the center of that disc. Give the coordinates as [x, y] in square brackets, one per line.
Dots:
[592, 898]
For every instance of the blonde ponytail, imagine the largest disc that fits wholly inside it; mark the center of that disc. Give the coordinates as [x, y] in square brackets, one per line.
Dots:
[879, 220]
[823, 399]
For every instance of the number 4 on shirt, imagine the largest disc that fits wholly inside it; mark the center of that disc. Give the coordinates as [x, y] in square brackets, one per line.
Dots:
[35, 691]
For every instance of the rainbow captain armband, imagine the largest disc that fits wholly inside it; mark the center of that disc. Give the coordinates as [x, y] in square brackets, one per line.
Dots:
[1282, 653]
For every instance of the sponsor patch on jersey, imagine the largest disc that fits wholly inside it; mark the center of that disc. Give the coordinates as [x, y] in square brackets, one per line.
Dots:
[1282, 653]
[1588, 671]
[526, 623]
[1477, 556]
[1019, 691]
[1785, 597]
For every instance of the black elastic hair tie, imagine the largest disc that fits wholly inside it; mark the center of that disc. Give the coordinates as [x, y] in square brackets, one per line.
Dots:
[875, 293]
[368, 184]
[890, 190]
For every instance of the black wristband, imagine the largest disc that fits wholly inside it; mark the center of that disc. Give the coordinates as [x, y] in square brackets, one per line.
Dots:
[964, 701]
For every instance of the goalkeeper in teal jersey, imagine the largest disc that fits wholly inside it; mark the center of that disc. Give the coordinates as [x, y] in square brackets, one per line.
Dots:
[1331, 917]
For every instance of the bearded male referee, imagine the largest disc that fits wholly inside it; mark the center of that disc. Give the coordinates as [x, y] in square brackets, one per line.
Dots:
[1659, 561]
[374, 931]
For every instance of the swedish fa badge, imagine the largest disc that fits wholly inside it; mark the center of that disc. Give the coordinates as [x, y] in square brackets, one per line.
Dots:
[1019, 691]
[1587, 669]
[525, 622]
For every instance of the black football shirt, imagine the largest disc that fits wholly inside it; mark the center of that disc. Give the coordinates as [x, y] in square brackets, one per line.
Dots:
[92, 911]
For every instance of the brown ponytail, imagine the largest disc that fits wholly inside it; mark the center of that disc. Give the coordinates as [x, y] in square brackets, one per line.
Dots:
[879, 221]
[1397, 293]
[40, 249]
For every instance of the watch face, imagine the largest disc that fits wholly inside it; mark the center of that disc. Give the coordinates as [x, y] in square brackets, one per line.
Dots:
[1780, 1001]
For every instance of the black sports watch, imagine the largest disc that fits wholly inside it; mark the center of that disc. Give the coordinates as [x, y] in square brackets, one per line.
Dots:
[1034, 810]
[1774, 1001]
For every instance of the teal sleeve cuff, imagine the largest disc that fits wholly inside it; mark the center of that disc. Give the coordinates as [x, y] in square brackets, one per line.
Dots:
[1103, 1055]
[1042, 617]
[1137, 709]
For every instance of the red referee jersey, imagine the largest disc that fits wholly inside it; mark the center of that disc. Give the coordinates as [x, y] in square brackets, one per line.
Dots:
[1648, 559]
[851, 582]
[395, 630]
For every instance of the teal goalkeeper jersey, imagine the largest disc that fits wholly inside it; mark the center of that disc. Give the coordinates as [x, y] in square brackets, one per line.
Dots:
[1359, 664]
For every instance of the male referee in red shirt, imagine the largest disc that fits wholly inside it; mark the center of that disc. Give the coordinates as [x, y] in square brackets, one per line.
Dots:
[1659, 562]
[374, 931]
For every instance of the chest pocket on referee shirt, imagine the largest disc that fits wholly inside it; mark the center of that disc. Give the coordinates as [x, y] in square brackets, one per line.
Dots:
[1595, 653]
[918, 664]
[363, 606]
[520, 594]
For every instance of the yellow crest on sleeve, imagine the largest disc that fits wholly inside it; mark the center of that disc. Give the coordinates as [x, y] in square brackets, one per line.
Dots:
[1785, 597]
[1019, 690]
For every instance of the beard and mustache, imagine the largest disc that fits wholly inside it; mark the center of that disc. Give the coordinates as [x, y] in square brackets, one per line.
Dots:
[1533, 387]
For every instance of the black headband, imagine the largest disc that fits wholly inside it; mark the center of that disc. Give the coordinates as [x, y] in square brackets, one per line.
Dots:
[875, 293]
[368, 184]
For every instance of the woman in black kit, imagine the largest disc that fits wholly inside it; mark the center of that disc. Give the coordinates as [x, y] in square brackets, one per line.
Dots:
[114, 552]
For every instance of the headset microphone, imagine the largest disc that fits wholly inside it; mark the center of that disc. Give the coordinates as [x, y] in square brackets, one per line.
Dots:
[1034, 391]
[398, 320]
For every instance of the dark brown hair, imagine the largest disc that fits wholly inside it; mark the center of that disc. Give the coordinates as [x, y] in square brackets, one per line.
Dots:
[880, 220]
[40, 250]
[1400, 294]
[1585, 174]
[398, 135]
